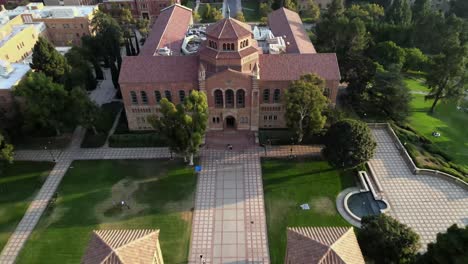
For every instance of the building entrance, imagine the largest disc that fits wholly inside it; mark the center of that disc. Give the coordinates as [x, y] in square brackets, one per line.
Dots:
[230, 122]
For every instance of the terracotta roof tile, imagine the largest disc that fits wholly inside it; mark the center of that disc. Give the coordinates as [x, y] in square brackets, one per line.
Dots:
[205, 51]
[228, 28]
[284, 22]
[168, 30]
[323, 245]
[292, 66]
[122, 246]
[150, 69]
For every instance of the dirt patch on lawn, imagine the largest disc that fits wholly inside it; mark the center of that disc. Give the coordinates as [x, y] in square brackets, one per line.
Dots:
[323, 205]
[112, 209]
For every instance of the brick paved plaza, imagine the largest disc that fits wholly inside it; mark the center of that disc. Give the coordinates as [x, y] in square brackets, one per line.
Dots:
[428, 204]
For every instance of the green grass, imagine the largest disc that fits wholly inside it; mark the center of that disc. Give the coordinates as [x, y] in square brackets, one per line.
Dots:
[19, 183]
[289, 183]
[159, 192]
[446, 120]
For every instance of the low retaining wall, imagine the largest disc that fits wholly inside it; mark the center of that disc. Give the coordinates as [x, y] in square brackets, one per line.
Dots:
[410, 161]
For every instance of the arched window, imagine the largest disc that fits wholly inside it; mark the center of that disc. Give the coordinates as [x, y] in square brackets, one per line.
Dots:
[168, 95]
[232, 46]
[240, 94]
[134, 97]
[144, 97]
[218, 96]
[229, 98]
[224, 46]
[266, 95]
[181, 96]
[276, 96]
[157, 96]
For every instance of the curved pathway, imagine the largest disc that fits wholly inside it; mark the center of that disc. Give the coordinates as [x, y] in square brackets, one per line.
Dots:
[428, 204]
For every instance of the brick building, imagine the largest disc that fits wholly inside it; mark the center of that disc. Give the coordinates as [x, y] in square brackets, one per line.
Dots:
[147, 9]
[65, 25]
[243, 70]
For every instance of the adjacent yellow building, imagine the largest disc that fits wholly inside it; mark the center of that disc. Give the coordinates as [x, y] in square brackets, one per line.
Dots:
[17, 39]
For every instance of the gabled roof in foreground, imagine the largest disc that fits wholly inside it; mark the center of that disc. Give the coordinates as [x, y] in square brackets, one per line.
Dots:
[284, 22]
[123, 246]
[323, 245]
[168, 30]
[292, 66]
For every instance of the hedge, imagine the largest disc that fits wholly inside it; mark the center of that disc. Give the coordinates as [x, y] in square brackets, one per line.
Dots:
[137, 140]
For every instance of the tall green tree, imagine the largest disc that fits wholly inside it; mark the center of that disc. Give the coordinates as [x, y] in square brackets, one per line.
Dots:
[86, 112]
[305, 105]
[421, 8]
[450, 247]
[290, 4]
[349, 143]
[385, 240]
[80, 73]
[336, 9]
[109, 36]
[389, 96]
[399, 13]
[312, 11]
[459, 8]
[46, 102]
[389, 53]
[415, 60]
[448, 77]
[92, 51]
[184, 125]
[48, 60]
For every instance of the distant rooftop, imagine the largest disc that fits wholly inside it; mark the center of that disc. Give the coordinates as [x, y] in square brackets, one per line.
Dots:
[11, 74]
[38, 10]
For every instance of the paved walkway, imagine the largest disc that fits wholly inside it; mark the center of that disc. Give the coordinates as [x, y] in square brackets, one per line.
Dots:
[229, 219]
[428, 204]
[105, 91]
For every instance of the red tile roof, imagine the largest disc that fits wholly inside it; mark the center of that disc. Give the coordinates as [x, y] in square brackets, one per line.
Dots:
[322, 245]
[284, 22]
[205, 51]
[228, 28]
[169, 30]
[123, 246]
[284, 67]
[151, 69]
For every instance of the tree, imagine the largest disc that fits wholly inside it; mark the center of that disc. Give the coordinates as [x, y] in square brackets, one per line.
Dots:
[335, 10]
[290, 4]
[305, 104]
[240, 16]
[86, 112]
[265, 9]
[217, 14]
[421, 8]
[349, 143]
[358, 70]
[92, 51]
[450, 247]
[399, 13]
[415, 60]
[46, 102]
[369, 13]
[6, 150]
[385, 240]
[196, 17]
[312, 11]
[389, 96]
[459, 8]
[109, 36]
[389, 53]
[48, 60]
[207, 13]
[447, 77]
[80, 73]
[183, 125]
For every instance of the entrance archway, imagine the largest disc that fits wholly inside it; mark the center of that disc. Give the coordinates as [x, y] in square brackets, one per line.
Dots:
[230, 122]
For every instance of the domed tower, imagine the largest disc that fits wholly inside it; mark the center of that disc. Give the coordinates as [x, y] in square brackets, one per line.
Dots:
[229, 44]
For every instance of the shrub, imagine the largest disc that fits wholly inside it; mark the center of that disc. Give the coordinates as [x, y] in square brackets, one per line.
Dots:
[137, 140]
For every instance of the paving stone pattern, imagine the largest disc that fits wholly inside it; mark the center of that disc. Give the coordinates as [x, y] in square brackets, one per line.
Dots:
[229, 219]
[428, 204]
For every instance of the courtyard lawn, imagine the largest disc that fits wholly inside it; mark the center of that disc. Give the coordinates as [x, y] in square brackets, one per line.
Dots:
[447, 120]
[159, 192]
[19, 183]
[290, 183]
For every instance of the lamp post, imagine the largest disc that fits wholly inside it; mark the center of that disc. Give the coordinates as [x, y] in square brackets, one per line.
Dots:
[50, 151]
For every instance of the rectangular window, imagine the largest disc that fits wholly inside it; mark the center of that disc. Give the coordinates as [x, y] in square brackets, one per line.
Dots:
[134, 97]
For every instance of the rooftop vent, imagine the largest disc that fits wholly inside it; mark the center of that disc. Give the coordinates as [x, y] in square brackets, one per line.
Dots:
[165, 51]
